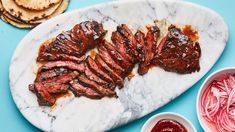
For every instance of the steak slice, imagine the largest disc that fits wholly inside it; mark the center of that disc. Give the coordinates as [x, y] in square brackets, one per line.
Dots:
[62, 79]
[140, 38]
[92, 76]
[120, 46]
[110, 62]
[129, 39]
[93, 85]
[104, 67]
[43, 96]
[178, 53]
[89, 33]
[80, 67]
[80, 90]
[149, 49]
[95, 69]
[117, 57]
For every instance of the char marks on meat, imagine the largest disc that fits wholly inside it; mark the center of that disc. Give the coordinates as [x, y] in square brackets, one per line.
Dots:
[149, 48]
[65, 65]
[178, 53]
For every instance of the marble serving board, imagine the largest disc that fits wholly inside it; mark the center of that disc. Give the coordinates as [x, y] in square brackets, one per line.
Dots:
[141, 95]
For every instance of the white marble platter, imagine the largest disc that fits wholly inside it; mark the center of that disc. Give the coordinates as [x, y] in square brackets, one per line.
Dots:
[141, 95]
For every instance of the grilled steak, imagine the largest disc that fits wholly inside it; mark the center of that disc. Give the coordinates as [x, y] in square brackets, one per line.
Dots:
[129, 40]
[140, 38]
[80, 90]
[59, 56]
[178, 53]
[80, 67]
[110, 62]
[93, 85]
[105, 68]
[44, 97]
[92, 76]
[95, 69]
[149, 49]
[117, 57]
[120, 46]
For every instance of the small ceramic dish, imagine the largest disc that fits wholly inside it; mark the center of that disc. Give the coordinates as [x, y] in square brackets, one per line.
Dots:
[150, 123]
[214, 76]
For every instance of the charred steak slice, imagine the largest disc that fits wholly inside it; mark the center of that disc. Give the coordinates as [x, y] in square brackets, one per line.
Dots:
[80, 67]
[89, 33]
[95, 69]
[92, 76]
[149, 49]
[80, 90]
[59, 56]
[104, 67]
[178, 53]
[62, 79]
[120, 46]
[129, 39]
[140, 38]
[110, 62]
[44, 97]
[93, 85]
[117, 57]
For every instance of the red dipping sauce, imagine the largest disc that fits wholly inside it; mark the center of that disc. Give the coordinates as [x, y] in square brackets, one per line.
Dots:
[168, 125]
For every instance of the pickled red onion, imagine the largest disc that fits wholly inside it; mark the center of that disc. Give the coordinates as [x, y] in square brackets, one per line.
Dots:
[218, 104]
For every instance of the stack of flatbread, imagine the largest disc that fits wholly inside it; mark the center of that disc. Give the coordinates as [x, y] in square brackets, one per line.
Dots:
[30, 13]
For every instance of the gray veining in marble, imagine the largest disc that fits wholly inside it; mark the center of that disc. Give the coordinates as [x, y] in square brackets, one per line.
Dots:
[142, 94]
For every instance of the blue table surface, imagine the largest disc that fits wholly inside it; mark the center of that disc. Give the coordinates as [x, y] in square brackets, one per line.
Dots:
[11, 119]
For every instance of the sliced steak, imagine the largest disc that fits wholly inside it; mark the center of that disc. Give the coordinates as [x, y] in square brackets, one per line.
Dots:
[104, 67]
[92, 76]
[59, 56]
[149, 49]
[62, 79]
[80, 67]
[56, 88]
[120, 46]
[129, 39]
[110, 62]
[95, 69]
[93, 85]
[80, 90]
[117, 57]
[140, 38]
[178, 53]
[88, 33]
[44, 97]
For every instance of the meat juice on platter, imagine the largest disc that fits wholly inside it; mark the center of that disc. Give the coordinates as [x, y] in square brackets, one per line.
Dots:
[66, 67]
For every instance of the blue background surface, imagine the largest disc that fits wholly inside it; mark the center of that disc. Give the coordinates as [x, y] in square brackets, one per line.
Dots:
[12, 120]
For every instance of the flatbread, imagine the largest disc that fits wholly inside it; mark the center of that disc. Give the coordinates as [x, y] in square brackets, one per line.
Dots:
[1, 8]
[36, 4]
[16, 24]
[62, 8]
[27, 15]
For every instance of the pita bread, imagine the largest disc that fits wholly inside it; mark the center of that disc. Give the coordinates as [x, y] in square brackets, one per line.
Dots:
[36, 4]
[27, 15]
[16, 24]
[60, 10]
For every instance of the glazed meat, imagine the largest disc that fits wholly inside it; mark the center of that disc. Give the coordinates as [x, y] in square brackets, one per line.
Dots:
[65, 65]
[73, 43]
[178, 53]
[151, 39]
[105, 68]
[80, 90]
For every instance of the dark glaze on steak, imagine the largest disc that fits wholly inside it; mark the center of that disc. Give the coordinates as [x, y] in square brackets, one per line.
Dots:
[178, 53]
[66, 67]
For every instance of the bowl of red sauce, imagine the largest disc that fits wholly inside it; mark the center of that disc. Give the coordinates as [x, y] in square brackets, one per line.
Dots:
[168, 122]
[216, 101]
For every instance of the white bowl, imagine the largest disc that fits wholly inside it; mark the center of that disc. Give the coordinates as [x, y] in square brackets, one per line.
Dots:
[215, 75]
[150, 123]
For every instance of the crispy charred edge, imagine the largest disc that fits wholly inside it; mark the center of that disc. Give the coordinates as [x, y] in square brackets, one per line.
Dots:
[175, 38]
[72, 44]
[80, 90]
[105, 68]
[118, 58]
[97, 71]
[93, 85]
[120, 46]
[149, 48]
